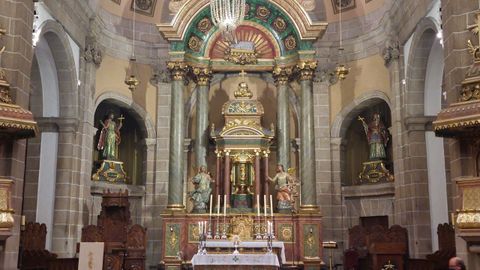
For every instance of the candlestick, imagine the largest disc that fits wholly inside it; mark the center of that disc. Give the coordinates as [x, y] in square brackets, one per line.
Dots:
[258, 205]
[271, 206]
[265, 205]
[224, 205]
[211, 201]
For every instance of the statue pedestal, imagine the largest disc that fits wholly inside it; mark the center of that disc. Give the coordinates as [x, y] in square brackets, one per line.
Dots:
[374, 172]
[110, 171]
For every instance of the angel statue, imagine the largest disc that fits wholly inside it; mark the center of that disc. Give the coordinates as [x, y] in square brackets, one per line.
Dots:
[285, 187]
[377, 136]
[110, 137]
[201, 194]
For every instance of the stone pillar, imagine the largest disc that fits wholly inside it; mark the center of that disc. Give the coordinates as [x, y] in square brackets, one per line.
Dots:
[202, 78]
[178, 71]
[281, 76]
[307, 137]
[258, 185]
[226, 173]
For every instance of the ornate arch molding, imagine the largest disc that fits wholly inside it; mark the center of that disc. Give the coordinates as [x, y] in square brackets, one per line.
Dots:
[57, 40]
[306, 29]
[141, 116]
[344, 118]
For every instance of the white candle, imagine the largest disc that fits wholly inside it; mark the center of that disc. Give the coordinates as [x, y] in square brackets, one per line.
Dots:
[271, 206]
[258, 205]
[199, 228]
[218, 205]
[211, 201]
[224, 205]
[265, 205]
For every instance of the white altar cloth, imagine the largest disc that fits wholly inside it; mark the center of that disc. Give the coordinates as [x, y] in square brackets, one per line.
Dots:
[248, 244]
[267, 259]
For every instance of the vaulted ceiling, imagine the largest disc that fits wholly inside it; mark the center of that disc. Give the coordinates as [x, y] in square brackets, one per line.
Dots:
[162, 11]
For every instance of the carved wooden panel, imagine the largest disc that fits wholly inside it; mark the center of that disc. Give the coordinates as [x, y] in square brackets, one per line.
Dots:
[34, 236]
[92, 233]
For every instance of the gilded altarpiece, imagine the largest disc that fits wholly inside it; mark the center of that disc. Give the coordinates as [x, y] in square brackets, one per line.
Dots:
[273, 35]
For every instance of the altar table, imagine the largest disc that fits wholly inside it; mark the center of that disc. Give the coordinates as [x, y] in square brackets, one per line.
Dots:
[248, 244]
[235, 261]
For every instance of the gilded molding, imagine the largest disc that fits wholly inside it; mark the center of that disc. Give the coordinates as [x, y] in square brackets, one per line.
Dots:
[282, 75]
[306, 69]
[468, 217]
[202, 75]
[308, 30]
[178, 70]
[6, 211]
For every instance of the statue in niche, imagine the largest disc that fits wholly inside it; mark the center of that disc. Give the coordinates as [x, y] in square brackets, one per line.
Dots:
[201, 195]
[110, 137]
[375, 170]
[283, 185]
[377, 136]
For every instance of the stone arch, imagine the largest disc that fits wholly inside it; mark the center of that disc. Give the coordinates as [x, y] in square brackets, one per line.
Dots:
[57, 40]
[423, 100]
[423, 40]
[54, 102]
[141, 116]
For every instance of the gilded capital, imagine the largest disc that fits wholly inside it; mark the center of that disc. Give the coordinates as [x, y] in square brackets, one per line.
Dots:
[282, 75]
[202, 75]
[178, 70]
[306, 68]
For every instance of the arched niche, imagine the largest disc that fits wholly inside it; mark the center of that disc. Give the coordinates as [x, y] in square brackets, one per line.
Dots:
[131, 150]
[354, 139]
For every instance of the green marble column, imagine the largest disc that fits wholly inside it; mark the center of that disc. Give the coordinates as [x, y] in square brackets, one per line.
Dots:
[178, 71]
[281, 76]
[202, 78]
[307, 137]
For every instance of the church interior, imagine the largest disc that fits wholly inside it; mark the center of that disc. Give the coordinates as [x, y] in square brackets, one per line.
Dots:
[248, 134]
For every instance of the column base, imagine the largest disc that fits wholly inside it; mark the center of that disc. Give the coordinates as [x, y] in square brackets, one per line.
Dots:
[176, 207]
[309, 209]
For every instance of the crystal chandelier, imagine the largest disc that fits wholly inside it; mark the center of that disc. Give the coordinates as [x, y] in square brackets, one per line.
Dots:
[227, 15]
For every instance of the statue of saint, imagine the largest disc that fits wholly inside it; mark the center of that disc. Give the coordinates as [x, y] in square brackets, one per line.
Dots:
[110, 137]
[201, 195]
[283, 182]
[377, 136]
